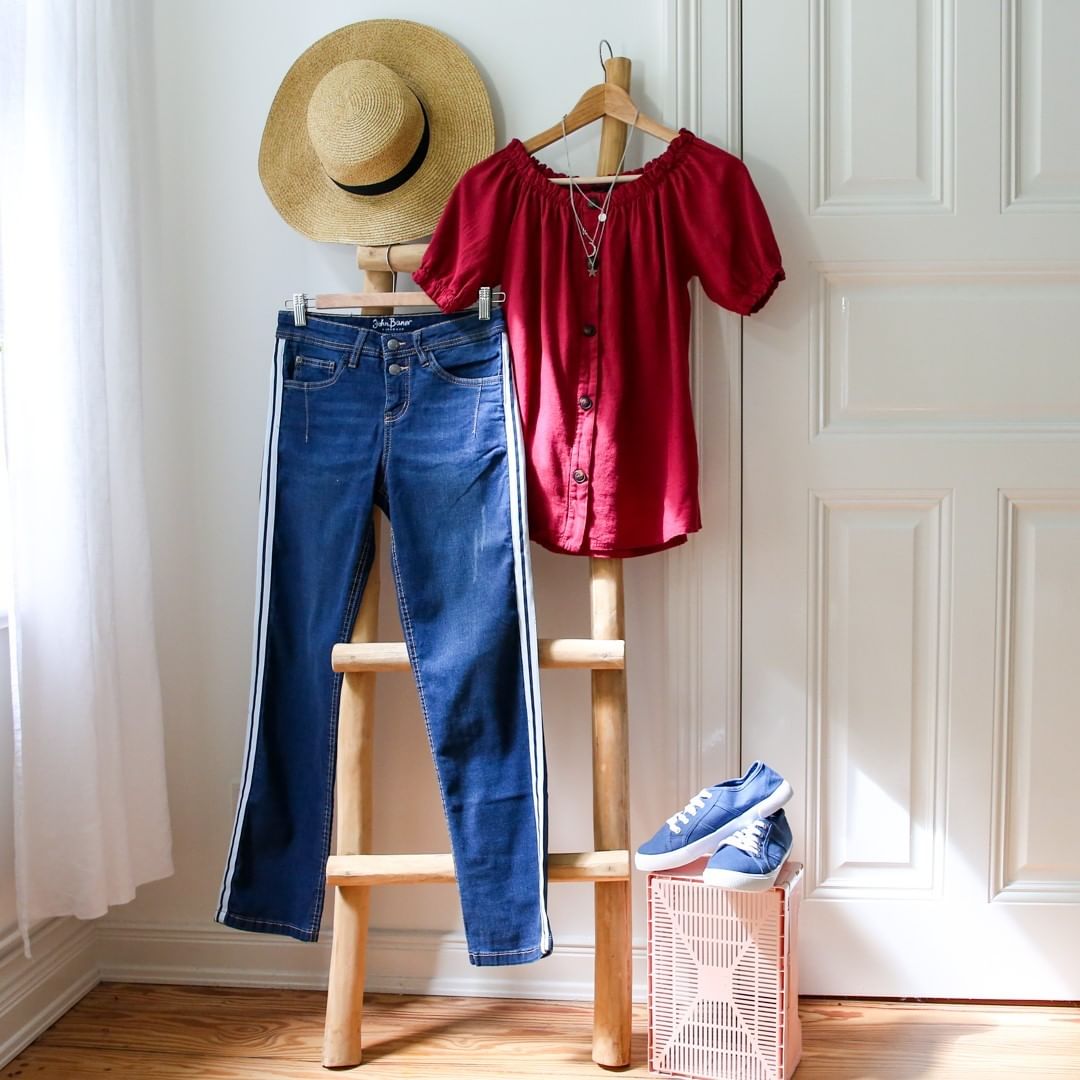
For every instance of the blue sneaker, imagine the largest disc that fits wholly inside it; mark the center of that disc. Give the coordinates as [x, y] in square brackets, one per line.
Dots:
[750, 858]
[714, 813]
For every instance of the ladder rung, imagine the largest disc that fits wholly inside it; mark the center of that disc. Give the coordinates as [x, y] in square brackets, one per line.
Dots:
[554, 653]
[417, 869]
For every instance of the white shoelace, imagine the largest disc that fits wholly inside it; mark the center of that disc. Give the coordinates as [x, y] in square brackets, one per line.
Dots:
[748, 838]
[688, 811]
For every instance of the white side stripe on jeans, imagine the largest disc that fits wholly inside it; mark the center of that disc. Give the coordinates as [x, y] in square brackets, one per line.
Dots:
[530, 664]
[262, 611]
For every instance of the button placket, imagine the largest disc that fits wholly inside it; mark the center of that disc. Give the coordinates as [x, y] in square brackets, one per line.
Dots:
[583, 450]
[394, 368]
[397, 381]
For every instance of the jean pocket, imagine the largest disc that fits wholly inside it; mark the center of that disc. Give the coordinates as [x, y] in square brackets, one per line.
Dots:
[308, 366]
[476, 363]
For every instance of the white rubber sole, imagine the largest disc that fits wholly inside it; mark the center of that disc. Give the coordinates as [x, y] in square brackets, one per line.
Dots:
[706, 845]
[732, 879]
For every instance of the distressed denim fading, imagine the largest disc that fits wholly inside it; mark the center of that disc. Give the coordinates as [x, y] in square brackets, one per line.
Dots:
[415, 414]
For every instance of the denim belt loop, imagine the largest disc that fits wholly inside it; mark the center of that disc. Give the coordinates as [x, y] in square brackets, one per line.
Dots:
[418, 341]
[358, 345]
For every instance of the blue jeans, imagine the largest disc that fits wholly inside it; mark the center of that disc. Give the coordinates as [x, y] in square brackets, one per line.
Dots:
[415, 414]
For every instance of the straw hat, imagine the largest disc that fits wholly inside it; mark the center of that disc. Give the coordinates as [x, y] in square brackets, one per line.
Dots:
[370, 130]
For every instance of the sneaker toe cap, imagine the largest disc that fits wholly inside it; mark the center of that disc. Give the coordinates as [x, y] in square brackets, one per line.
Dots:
[658, 844]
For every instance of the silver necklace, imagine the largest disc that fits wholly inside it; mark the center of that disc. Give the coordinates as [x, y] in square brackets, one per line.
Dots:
[591, 241]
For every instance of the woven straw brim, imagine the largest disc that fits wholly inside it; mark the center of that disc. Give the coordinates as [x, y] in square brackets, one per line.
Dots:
[459, 116]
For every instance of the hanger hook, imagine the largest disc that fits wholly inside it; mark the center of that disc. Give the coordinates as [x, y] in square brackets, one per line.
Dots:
[611, 54]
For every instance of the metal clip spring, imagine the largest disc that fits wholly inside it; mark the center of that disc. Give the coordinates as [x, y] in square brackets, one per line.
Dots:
[484, 302]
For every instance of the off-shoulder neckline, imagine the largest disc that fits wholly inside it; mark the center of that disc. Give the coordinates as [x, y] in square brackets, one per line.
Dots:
[538, 175]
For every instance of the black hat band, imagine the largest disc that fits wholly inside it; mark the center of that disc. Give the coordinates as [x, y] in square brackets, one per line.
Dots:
[399, 178]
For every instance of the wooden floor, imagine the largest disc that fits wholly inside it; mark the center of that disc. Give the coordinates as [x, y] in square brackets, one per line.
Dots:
[170, 1032]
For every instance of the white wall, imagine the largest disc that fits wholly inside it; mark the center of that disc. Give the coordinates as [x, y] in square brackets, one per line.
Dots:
[219, 261]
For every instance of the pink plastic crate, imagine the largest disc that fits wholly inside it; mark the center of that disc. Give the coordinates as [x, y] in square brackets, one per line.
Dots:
[723, 977]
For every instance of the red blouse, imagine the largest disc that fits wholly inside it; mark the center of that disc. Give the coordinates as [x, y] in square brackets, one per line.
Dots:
[602, 362]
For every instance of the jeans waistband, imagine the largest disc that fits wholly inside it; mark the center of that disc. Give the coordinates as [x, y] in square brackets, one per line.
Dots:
[371, 335]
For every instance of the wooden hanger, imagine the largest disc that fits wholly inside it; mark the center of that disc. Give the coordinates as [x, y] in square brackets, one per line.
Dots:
[380, 266]
[604, 99]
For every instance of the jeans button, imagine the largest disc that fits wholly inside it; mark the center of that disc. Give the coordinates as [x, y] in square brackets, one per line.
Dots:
[585, 402]
[393, 344]
[580, 476]
[588, 329]
[395, 369]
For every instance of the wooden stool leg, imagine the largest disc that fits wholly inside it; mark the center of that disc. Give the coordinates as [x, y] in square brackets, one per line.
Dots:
[356, 724]
[611, 781]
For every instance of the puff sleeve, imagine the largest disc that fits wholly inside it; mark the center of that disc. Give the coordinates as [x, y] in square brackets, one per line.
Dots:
[466, 250]
[727, 239]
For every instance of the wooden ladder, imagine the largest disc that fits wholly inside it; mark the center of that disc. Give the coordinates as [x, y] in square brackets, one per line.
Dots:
[353, 870]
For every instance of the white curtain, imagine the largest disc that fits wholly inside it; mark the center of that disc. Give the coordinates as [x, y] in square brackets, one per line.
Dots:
[91, 810]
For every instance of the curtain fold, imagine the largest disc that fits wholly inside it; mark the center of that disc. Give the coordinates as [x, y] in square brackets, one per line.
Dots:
[91, 809]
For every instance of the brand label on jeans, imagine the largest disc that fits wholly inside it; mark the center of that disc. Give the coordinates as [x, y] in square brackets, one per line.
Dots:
[391, 323]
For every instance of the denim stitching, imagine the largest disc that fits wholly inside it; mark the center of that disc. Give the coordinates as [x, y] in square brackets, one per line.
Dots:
[476, 411]
[460, 340]
[314, 361]
[348, 346]
[506, 952]
[268, 922]
[387, 418]
[429, 362]
[300, 384]
[315, 339]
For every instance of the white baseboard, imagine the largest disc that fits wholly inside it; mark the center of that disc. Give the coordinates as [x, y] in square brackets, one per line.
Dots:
[35, 993]
[403, 962]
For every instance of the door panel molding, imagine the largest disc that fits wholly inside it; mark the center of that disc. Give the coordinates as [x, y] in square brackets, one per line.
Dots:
[1040, 161]
[1035, 853]
[856, 54]
[893, 345]
[880, 584]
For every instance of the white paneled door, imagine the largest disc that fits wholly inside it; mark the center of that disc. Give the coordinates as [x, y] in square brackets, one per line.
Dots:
[911, 485]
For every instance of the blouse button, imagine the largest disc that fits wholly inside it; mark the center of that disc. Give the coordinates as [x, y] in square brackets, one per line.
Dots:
[588, 329]
[585, 402]
[579, 476]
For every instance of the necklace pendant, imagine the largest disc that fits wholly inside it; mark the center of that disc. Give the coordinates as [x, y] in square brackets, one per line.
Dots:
[602, 216]
[593, 268]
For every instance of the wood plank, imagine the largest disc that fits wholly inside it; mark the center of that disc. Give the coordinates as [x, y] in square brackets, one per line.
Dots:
[127, 1030]
[853, 1040]
[580, 653]
[142, 1017]
[480, 1057]
[439, 868]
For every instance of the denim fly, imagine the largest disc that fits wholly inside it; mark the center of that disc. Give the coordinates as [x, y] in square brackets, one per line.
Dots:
[415, 414]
